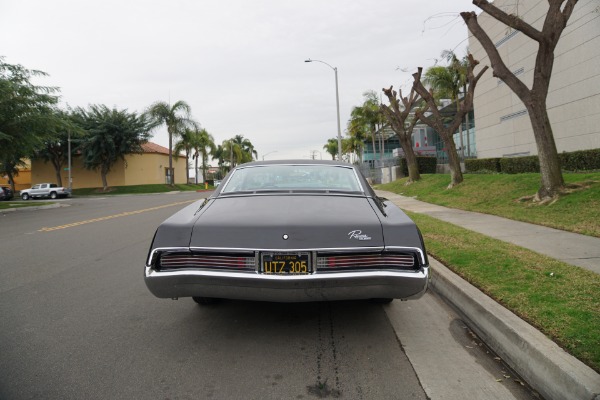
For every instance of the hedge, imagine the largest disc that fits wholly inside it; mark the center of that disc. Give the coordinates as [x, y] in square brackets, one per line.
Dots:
[583, 160]
[482, 164]
[519, 165]
[426, 165]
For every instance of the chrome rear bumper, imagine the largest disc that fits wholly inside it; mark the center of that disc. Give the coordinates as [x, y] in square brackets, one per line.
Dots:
[290, 288]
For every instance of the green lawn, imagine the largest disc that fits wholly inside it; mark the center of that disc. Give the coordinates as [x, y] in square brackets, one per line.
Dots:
[500, 194]
[562, 301]
[138, 189]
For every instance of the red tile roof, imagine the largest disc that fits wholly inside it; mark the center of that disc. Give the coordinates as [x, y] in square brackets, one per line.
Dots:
[151, 147]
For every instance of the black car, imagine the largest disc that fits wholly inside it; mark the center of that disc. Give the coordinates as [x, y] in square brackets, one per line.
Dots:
[289, 231]
[6, 193]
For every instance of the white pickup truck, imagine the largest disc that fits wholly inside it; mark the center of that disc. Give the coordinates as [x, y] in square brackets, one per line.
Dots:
[50, 190]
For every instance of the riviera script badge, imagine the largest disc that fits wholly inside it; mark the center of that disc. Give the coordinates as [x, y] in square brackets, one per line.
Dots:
[358, 235]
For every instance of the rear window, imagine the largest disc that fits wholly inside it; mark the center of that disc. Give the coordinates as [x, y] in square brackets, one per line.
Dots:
[293, 177]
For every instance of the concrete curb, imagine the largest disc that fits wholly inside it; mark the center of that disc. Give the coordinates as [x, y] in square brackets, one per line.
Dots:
[550, 370]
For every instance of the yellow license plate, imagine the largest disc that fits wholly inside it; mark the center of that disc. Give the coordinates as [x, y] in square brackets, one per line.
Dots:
[286, 263]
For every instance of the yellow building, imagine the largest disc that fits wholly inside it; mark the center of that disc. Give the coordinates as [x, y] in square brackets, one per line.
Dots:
[23, 180]
[150, 167]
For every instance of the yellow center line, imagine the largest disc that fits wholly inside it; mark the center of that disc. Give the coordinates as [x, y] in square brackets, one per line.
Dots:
[124, 214]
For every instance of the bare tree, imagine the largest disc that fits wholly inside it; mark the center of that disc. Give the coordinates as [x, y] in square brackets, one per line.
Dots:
[437, 121]
[397, 117]
[534, 99]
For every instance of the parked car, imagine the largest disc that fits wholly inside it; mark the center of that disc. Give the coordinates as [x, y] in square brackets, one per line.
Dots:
[6, 193]
[289, 232]
[50, 190]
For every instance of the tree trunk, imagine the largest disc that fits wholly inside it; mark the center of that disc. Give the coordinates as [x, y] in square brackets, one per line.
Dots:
[57, 166]
[187, 168]
[411, 160]
[374, 150]
[103, 174]
[462, 146]
[550, 168]
[204, 166]
[456, 175]
[171, 178]
[467, 123]
[58, 177]
[11, 181]
[196, 168]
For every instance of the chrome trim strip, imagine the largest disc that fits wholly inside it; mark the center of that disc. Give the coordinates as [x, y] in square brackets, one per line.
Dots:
[255, 250]
[362, 189]
[274, 277]
[290, 193]
[322, 249]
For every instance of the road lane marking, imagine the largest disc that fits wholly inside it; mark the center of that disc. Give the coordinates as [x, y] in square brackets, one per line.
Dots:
[124, 214]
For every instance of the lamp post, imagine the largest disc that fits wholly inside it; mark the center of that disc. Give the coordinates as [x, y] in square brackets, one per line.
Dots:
[337, 104]
[264, 155]
[69, 160]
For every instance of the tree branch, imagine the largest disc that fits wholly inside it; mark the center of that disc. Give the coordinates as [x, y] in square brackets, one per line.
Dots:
[500, 69]
[509, 19]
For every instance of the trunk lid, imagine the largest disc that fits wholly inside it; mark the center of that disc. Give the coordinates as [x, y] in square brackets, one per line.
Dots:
[309, 221]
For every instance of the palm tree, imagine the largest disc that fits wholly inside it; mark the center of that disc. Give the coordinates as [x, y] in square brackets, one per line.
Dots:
[358, 134]
[239, 150]
[331, 147]
[203, 144]
[248, 151]
[219, 155]
[369, 115]
[176, 117]
[232, 153]
[185, 145]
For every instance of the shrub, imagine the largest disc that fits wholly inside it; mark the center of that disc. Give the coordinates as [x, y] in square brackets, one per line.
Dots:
[583, 160]
[519, 165]
[482, 164]
[426, 165]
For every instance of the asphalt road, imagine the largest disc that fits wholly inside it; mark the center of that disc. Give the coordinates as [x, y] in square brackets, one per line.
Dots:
[77, 322]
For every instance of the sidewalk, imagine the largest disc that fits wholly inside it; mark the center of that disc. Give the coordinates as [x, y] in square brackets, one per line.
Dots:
[572, 248]
[554, 373]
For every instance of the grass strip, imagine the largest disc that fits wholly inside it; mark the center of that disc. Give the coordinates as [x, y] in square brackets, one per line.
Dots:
[500, 194]
[560, 300]
[139, 189]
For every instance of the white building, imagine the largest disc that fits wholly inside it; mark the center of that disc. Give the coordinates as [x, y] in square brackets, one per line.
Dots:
[502, 124]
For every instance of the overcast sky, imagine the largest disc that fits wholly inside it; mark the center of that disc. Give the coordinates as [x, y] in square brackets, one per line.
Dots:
[239, 64]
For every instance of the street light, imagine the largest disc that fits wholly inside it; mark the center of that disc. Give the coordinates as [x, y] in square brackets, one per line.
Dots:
[337, 103]
[274, 151]
[313, 154]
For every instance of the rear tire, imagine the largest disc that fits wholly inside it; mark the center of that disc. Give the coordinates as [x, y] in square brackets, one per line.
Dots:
[53, 195]
[25, 196]
[205, 301]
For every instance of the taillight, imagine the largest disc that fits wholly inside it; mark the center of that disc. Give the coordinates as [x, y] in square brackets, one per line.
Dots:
[206, 261]
[366, 261]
